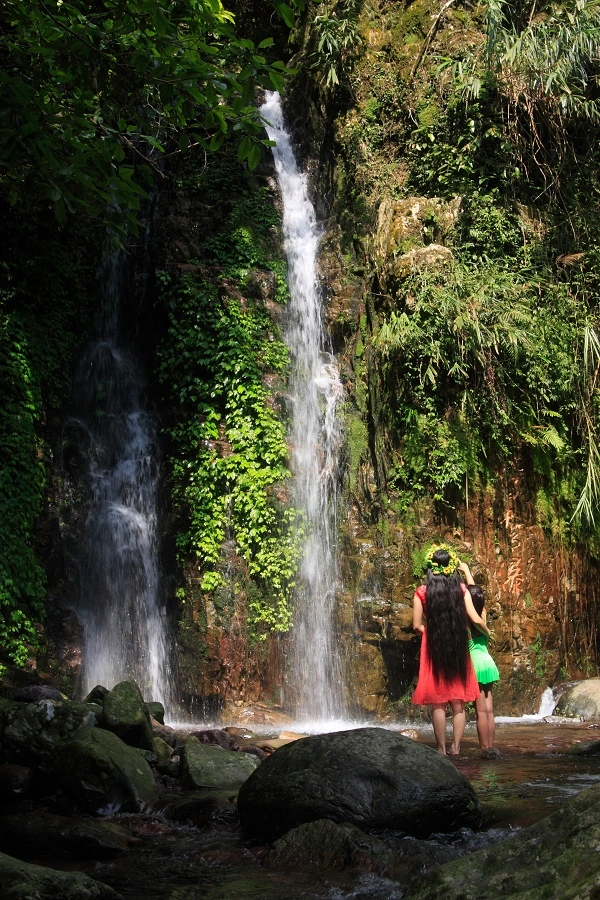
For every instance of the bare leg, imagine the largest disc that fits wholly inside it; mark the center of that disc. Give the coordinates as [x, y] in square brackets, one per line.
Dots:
[486, 724]
[458, 725]
[438, 715]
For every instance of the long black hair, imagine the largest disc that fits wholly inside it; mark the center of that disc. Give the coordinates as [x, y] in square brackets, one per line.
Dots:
[447, 623]
[476, 592]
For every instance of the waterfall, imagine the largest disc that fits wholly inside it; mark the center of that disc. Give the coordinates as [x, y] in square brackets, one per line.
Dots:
[118, 594]
[547, 703]
[316, 392]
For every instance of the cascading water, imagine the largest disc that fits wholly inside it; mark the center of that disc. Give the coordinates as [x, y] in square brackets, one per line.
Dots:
[118, 603]
[316, 392]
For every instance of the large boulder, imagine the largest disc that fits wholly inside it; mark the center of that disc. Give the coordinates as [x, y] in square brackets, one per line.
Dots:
[210, 766]
[126, 714]
[581, 700]
[30, 733]
[370, 777]
[98, 770]
[555, 858]
[25, 881]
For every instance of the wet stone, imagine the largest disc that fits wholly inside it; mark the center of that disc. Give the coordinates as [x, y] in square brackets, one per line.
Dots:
[43, 834]
[370, 777]
[208, 766]
[100, 771]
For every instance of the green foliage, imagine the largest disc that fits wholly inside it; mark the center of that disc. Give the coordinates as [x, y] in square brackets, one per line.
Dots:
[92, 96]
[486, 364]
[463, 150]
[44, 305]
[540, 656]
[21, 483]
[336, 39]
[229, 456]
[542, 71]
[550, 62]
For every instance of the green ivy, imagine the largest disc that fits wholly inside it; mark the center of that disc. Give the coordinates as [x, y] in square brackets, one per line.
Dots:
[22, 480]
[229, 456]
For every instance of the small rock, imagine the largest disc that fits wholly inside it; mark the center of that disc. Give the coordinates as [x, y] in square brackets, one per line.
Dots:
[97, 695]
[14, 779]
[156, 711]
[217, 736]
[34, 692]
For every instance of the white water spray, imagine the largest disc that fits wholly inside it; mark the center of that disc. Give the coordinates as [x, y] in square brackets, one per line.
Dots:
[547, 704]
[316, 392]
[118, 604]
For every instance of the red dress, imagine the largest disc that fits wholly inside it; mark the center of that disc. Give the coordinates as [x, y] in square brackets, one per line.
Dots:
[437, 690]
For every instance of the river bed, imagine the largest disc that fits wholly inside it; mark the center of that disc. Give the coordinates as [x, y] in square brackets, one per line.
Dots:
[170, 861]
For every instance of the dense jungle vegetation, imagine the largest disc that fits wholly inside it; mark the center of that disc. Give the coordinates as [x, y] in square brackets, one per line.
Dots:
[97, 102]
[463, 374]
[487, 364]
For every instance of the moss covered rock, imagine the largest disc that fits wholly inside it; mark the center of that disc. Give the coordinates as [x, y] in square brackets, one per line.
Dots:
[97, 769]
[25, 881]
[369, 777]
[30, 733]
[126, 714]
[556, 858]
[210, 766]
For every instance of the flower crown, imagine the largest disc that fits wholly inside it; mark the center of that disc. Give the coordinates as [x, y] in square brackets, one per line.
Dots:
[436, 568]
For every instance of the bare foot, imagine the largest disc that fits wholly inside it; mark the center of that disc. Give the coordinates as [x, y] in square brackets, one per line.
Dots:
[442, 750]
[453, 752]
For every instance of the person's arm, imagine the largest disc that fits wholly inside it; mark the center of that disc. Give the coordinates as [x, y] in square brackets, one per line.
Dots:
[418, 614]
[474, 616]
[463, 567]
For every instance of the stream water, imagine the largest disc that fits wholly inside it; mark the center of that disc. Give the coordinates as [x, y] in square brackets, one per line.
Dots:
[177, 862]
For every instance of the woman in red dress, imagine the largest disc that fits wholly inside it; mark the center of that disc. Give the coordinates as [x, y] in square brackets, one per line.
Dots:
[446, 673]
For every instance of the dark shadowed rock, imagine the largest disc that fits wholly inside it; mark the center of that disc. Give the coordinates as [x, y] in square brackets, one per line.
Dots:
[201, 808]
[25, 881]
[156, 711]
[43, 834]
[34, 692]
[126, 714]
[100, 771]
[217, 736]
[370, 777]
[30, 733]
[14, 780]
[326, 845]
[585, 748]
[97, 695]
[556, 858]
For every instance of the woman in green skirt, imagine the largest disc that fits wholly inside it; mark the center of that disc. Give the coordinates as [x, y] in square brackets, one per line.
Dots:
[486, 670]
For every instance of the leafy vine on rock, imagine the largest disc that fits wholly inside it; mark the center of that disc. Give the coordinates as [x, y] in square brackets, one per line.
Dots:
[229, 457]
